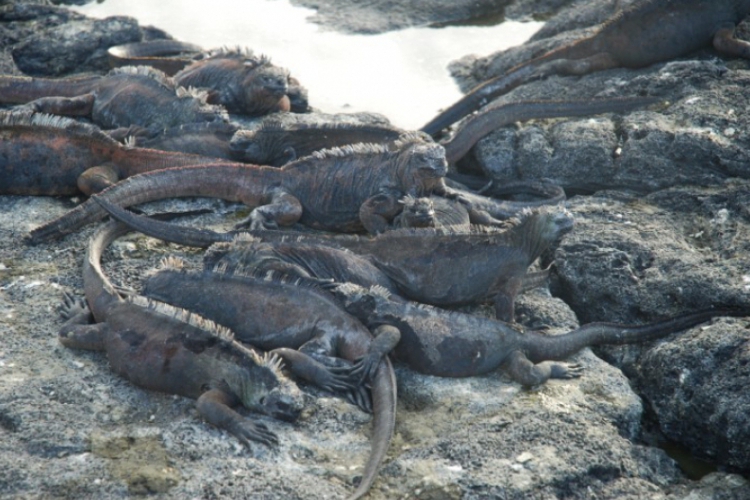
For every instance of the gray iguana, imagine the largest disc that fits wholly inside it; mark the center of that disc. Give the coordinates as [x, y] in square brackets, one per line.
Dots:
[129, 100]
[435, 266]
[454, 344]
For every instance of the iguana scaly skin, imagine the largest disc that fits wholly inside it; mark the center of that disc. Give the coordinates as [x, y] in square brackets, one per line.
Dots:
[441, 267]
[170, 350]
[646, 32]
[275, 143]
[49, 155]
[245, 83]
[294, 319]
[453, 344]
[130, 98]
[325, 190]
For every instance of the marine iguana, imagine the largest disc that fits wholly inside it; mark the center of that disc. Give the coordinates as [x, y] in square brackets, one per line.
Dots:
[125, 99]
[275, 143]
[245, 83]
[212, 139]
[454, 344]
[644, 33]
[324, 190]
[435, 266]
[170, 350]
[255, 83]
[291, 318]
[55, 156]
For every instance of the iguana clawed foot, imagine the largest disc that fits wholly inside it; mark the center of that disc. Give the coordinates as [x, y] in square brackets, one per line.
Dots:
[566, 370]
[73, 306]
[256, 221]
[246, 430]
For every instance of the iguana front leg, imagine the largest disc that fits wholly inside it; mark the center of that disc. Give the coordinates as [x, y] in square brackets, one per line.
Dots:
[523, 371]
[283, 209]
[99, 178]
[215, 405]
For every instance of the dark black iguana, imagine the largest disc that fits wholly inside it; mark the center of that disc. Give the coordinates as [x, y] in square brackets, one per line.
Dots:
[435, 266]
[170, 350]
[644, 33]
[325, 190]
[49, 155]
[454, 344]
[237, 79]
[129, 100]
[211, 139]
[276, 143]
[292, 318]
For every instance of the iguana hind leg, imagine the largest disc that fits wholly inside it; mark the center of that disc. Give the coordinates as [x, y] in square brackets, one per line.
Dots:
[584, 66]
[386, 339]
[523, 371]
[726, 43]
[334, 379]
[215, 405]
[283, 209]
[77, 332]
[96, 179]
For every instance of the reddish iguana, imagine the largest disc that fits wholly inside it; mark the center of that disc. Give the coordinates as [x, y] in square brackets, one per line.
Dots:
[245, 83]
[325, 190]
[127, 99]
[441, 267]
[167, 349]
[453, 344]
[646, 32]
[239, 80]
[50, 155]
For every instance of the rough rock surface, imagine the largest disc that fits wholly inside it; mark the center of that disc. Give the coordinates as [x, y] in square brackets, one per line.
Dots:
[353, 16]
[69, 428]
[666, 228]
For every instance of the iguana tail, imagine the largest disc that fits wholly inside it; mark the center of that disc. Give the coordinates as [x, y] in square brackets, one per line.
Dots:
[182, 235]
[538, 347]
[229, 181]
[494, 117]
[22, 89]
[383, 422]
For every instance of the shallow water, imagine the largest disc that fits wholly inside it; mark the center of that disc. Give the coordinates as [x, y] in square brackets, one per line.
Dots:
[401, 74]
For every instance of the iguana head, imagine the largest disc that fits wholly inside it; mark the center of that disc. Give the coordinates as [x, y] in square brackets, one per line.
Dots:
[538, 229]
[267, 390]
[422, 165]
[267, 79]
[265, 145]
[417, 212]
[357, 300]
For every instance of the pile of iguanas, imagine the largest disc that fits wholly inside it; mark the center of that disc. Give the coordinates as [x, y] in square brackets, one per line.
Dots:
[324, 307]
